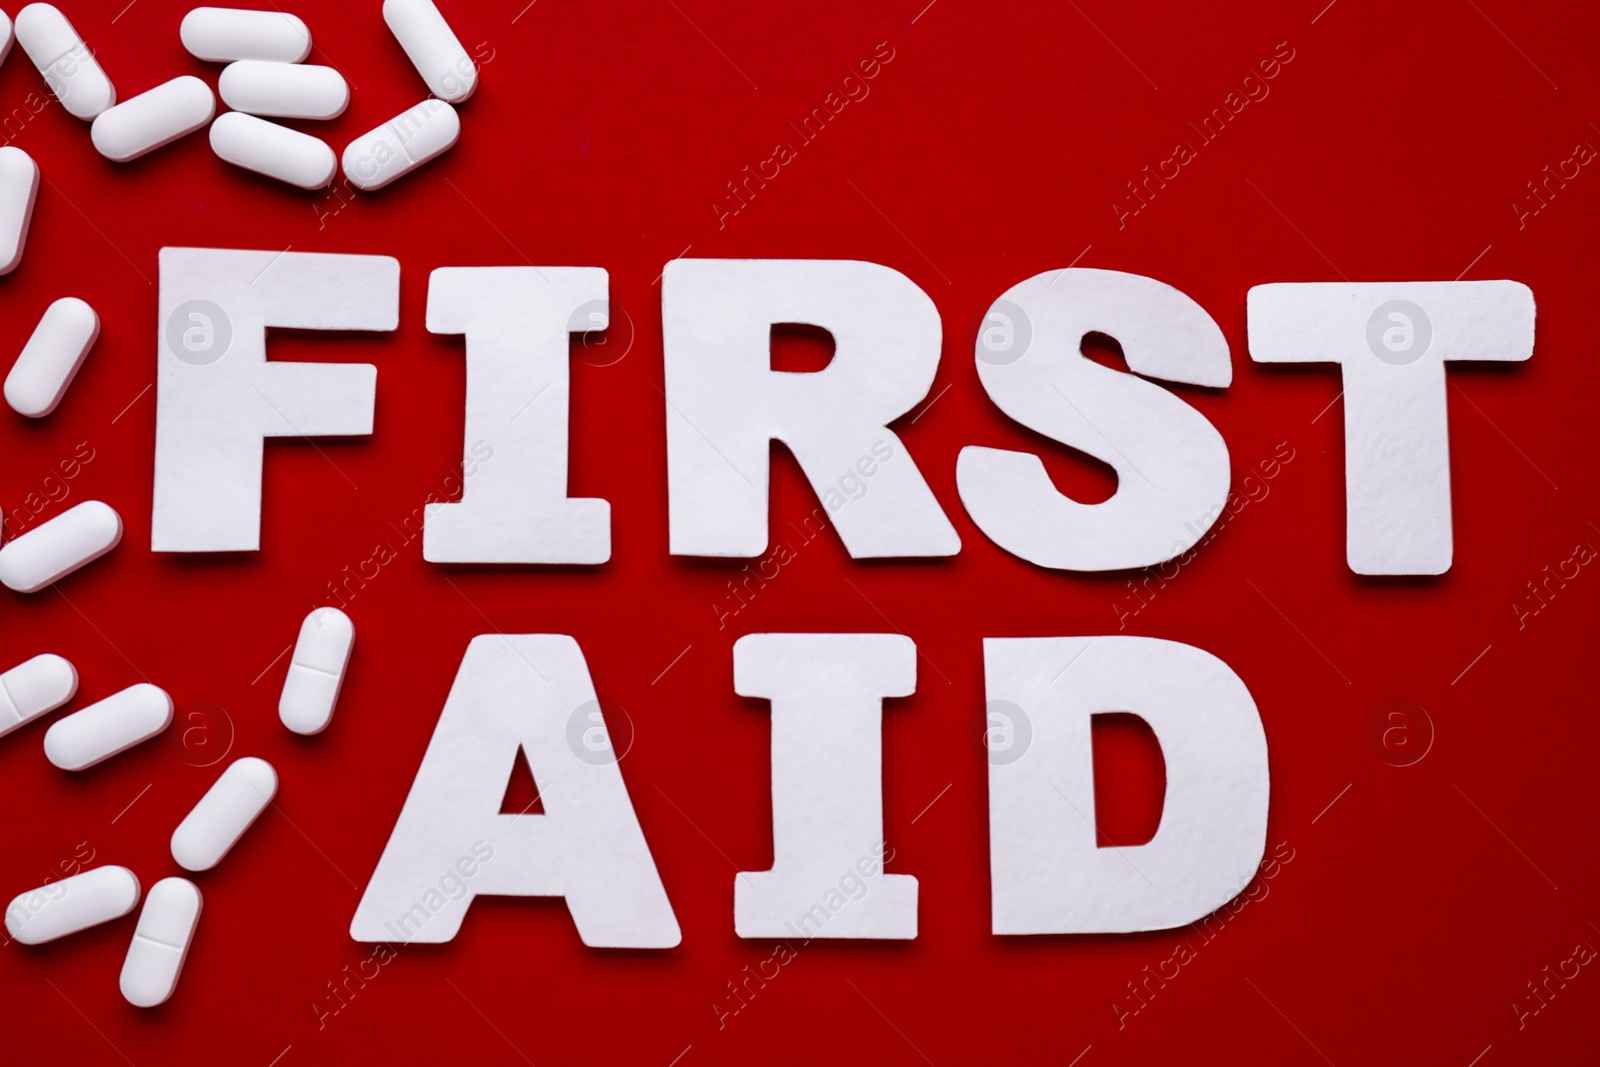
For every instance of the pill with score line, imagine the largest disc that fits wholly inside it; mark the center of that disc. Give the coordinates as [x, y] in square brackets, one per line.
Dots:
[225, 34]
[316, 671]
[160, 942]
[96, 896]
[19, 188]
[284, 90]
[216, 823]
[154, 118]
[51, 551]
[276, 151]
[401, 145]
[69, 68]
[432, 47]
[51, 358]
[108, 727]
[34, 688]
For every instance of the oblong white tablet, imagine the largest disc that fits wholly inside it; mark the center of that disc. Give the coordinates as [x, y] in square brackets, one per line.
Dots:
[55, 549]
[160, 942]
[401, 145]
[110, 726]
[223, 815]
[6, 36]
[284, 90]
[69, 69]
[52, 356]
[432, 47]
[225, 34]
[154, 118]
[19, 187]
[98, 895]
[34, 687]
[276, 151]
[316, 671]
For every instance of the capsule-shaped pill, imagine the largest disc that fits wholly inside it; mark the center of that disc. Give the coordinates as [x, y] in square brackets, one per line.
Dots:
[69, 69]
[226, 34]
[160, 942]
[432, 47]
[55, 549]
[98, 895]
[223, 815]
[7, 35]
[19, 186]
[401, 145]
[154, 118]
[284, 90]
[33, 688]
[316, 671]
[276, 151]
[51, 358]
[110, 726]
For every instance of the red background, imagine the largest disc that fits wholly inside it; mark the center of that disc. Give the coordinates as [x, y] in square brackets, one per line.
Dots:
[990, 148]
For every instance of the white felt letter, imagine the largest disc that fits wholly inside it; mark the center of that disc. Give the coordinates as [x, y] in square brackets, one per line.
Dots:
[451, 844]
[827, 876]
[218, 396]
[726, 405]
[515, 509]
[1171, 463]
[1391, 340]
[1048, 875]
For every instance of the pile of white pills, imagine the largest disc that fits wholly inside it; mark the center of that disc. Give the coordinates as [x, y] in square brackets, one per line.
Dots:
[264, 79]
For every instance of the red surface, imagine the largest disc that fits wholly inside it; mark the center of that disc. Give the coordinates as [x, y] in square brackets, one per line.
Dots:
[1401, 923]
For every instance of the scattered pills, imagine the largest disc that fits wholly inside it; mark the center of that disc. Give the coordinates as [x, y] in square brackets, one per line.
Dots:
[316, 671]
[432, 47]
[401, 145]
[223, 815]
[225, 34]
[160, 942]
[153, 118]
[51, 358]
[284, 90]
[34, 687]
[276, 151]
[103, 729]
[69, 69]
[19, 186]
[98, 895]
[55, 549]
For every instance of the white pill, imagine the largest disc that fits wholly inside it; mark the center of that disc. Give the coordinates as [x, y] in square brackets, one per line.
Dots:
[69, 69]
[34, 687]
[284, 90]
[225, 34]
[19, 185]
[153, 118]
[276, 151]
[432, 47]
[51, 358]
[160, 942]
[316, 671]
[55, 549]
[223, 815]
[6, 36]
[110, 726]
[401, 145]
[96, 896]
